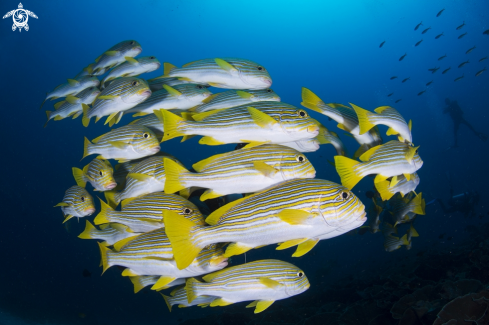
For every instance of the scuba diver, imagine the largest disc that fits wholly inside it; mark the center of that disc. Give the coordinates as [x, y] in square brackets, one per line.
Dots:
[456, 114]
[464, 203]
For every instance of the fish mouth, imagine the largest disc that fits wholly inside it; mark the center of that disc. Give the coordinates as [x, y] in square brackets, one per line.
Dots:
[267, 81]
[145, 93]
[156, 149]
[219, 261]
[313, 129]
[110, 186]
[138, 48]
[89, 211]
[277, 98]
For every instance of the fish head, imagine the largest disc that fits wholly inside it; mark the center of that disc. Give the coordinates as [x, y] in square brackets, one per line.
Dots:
[210, 259]
[417, 162]
[90, 95]
[194, 92]
[307, 145]
[80, 201]
[294, 164]
[264, 95]
[89, 81]
[100, 171]
[252, 74]
[297, 124]
[144, 141]
[130, 89]
[294, 280]
[131, 48]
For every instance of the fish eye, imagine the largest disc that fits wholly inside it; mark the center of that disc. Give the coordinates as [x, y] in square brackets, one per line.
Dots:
[260, 68]
[300, 274]
[200, 87]
[344, 195]
[145, 135]
[82, 199]
[300, 158]
[152, 57]
[269, 91]
[187, 211]
[132, 43]
[135, 83]
[101, 173]
[302, 113]
[416, 151]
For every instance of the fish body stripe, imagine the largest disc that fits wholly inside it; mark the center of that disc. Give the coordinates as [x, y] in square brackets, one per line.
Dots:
[231, 98]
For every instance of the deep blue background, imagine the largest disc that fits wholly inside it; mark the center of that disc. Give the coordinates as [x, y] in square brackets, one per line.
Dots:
[330, 47]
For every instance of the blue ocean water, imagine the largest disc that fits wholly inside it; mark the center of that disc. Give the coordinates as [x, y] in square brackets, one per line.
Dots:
[330, 47]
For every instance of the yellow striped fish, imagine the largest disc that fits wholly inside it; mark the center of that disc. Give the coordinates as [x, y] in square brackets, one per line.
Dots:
[124, 143]
[145, 213]
[76, 203]
[307, 145]
[345, 117]
[387, 160]
[156, 84]
[386, 115]
[247, 170]
[263, 281]
[233, 98]
[411, 232]
[151, 254]
[405, 209]
[152, 122]
[142, 281]
[329, 137]
[266, 122]
[391, 243]
[179, 297]
[73, 86]
[230, 73]
[72, 105]
[401, 185]
[121, 95]
[132, 67]
[116, 55]
[179, 97]
[98, 172]
[374, 222]
[111, 233]
[297, 212]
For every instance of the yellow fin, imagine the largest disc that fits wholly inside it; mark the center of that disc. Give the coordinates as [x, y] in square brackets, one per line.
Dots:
[140, 177]
[311, 100]
[162, 282]
[76, 115]
[199, 166]
[167, 68]
[215, 216]
[244, 94]
[265, 169]
[270, 283]
[97, 139]
[139, 114]
[411, 151]
[190, 63]
[368, 154]
[220, 302]
[118, 144]
[252, 304]
[79, 177]
[111, 53]
[102, 217]
[210, 141]
[407, 176]
[391, 131]
[305, 247]
[262, 305]
[294, 216]
[110, 118]
[171, 125]
[404, 240]
[380, 109]
[209, 194]
[86, 145]
[394, 181]
[62, 204]
[363, 118]
[103, 253]
[85, 118]
[106, 97]
[121, 243]
[410, 125]
[252, 144]
[419, 204]
[211, 276]
[261, 119]
[86, 234]
[172, 91]
[127, 201]
[131, 60]
[384, 190]
[136, 281]
[110, 198]
[190, 285]
[236, 249]
[413, 231]
[345, 167]
[342, 127]
[68, 217]
[72, 99]
[225, 65]
[129, 272]
[361, 150]
[58, 104]
[173, 173]
[290, 243]
[184, 79]
[208, 99]
[73, 82]
[201, 116]
[164, 297]
[380, 178]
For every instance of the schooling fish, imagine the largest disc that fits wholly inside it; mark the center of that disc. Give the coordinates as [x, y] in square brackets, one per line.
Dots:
[405, 209]
[426, 30]
[419, 42]
[87, 71]
[433, 70]
[461, 26]
[459, 78]
[384, 115]
[404, 80]
[297, 212]
[180, 97]
[440, 12]
[398, 184]
[397, 101]
[76, 203]
[462, 35]
[73, 105]
[121, 95]
[421, 92]
[438, 36]
[374, 224]
[391, 243]
[308, 145]
[132, 67]
[152, 122]
[229, 73]
[429, 83]
[486, 32]
[265, 122]
[329, 137]
[382, 44]
[484, 58]
[233, 98]
[263, 281]
[72, 87]
[417, 26]
[144, 213]
[462, 64]
[247, 170]
[402, 57]
[390, 94]
[470, 50]
[142, 281]
[480, 72]
[387, 160]
[98, 172]
[157, 83]
[446, 70]
[393, 77]
[111, 233]
[124, 143]
[179, 297]
[442, 57]
[116, 55]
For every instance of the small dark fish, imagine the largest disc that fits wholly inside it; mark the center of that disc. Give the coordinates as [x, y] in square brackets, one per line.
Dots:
[442, 57]
[417, 26]
[439, 13]
[484, 58]
[486, 32]
[433, 70]
[421, 92]
[393, 77]
[406, 79]
[480, 72]
[427, 29]
[450, 238]
[446, 70]
[418, 43]
[438, 36]
[459, 78]
[390, 94]
[397, 101]
[402, 57]
[381, 44]
[470, 50]
[86, 273]
[461, 26]
[429, 83]
[462, 35]
[463, 63]
[441, 236]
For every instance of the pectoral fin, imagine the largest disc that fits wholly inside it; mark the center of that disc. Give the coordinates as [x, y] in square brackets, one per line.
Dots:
[131, 60]
[261, 119]
[73, 82]
[107, 97]
[225, 65]
[270, 283]
[262, 305]
[265, 169]
[305, 247]
[408, 177]
[72, 99]
[140, 177]
[118, 144]
[294, 216]
[290, 243]
[62, 204]
[162, 282]
[244, 94]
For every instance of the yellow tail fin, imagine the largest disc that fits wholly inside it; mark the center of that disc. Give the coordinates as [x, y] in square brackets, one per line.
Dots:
[419, 204]
[104, 252]
[404, 240]
[363, 118]
[85, 118]
[86, 145]
[167, 301]
[345, 168]
[79, 177]
[190, 287]
[87, 233]
[171, 124]
[136, 281]
[110, 197]
[384, 190]
[173, 172]
[311, 100]
[103, 216]
[167, 68]
[179, 231]
[48, 113]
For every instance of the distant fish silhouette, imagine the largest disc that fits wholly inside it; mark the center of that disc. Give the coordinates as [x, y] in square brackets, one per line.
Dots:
[421, 92]
[480, 72]
[446, 70]
[381, 44]
[418, 43]
[484, 58]
[462, 35]
[459, 78]
[440, 12]
[393, 77]
[417, 26]
[442, 57]
[470, 50]
[429, 83]
[463, 63]
[402, 57]
[426, 30]
[461, 26]
[486, 32]
[406, 79]
[438, 36]
[433, 70]
[390, 94]
[86, 273]
[397, 101]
